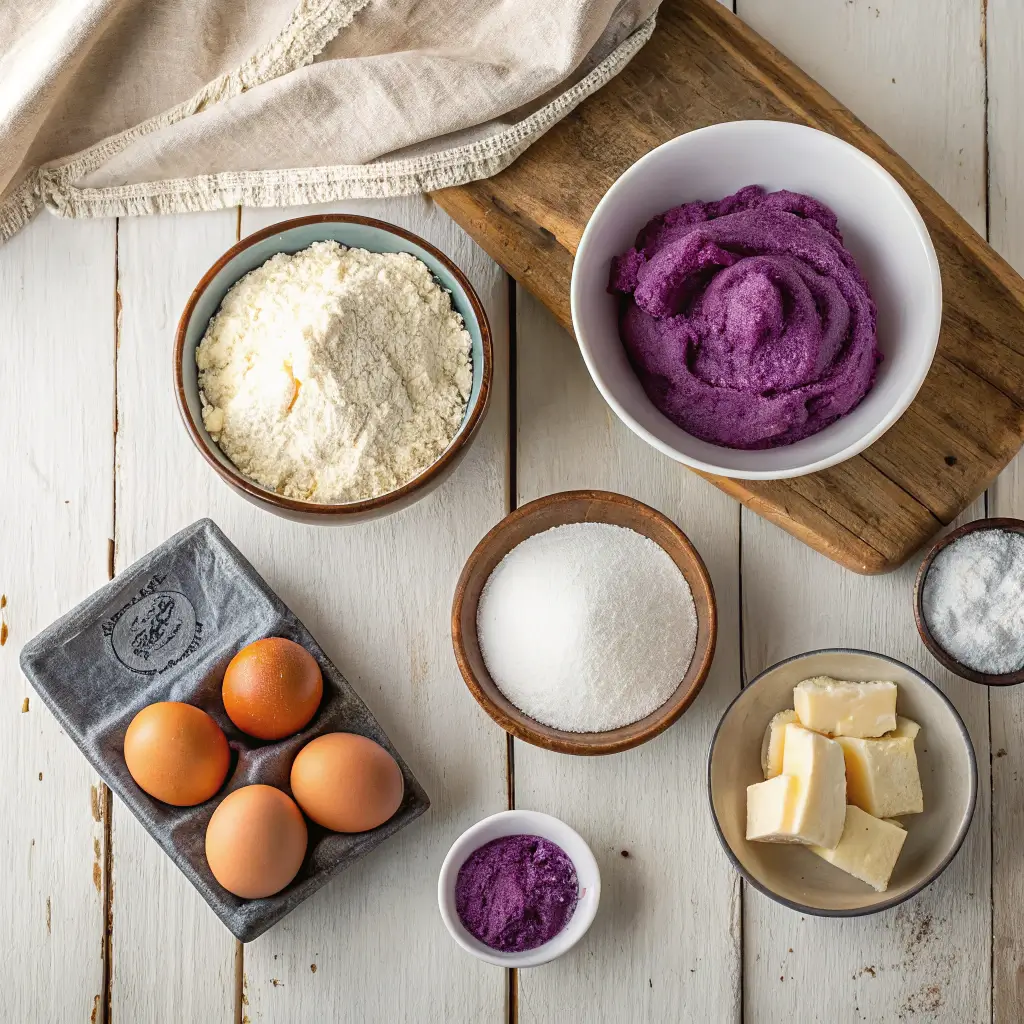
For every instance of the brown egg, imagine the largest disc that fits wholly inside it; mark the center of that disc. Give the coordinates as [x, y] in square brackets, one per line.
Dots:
[256, 841]
[176, 753]
[346, 783]
[272, 688]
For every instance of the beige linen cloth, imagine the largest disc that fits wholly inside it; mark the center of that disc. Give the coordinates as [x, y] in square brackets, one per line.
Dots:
[120, 107]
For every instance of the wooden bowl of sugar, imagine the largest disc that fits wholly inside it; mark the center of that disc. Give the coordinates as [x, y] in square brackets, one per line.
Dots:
[547, 513]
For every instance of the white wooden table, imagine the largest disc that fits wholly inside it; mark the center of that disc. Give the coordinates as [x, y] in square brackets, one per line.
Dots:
[98, 925]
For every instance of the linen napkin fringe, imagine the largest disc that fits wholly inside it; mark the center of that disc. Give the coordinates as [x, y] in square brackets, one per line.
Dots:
[314, 23]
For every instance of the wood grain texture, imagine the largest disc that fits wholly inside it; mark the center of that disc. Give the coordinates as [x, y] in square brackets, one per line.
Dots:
[666, 942]
[1005, 38]
[860, 52]
[56, 405]
[929, 959]
[377, 596]
[172, 959]
[1006, 498]
[665, 945]
[704, 66]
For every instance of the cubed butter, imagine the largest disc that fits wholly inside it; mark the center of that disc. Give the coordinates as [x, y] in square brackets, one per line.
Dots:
[868, 849]
[904, 727]
[774, 743]
[772, 809]
[839, 708]
[818, 763]
[882, 777]
[806, 803]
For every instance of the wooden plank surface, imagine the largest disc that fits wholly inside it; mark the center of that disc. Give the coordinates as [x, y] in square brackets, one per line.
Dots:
[667, 942]
[172, 959]
[377, 596]
[57, 325]
[922, 99]
[1005, 41]
[930, 959]
[665, 945]
[703, 66]
[1006, 498]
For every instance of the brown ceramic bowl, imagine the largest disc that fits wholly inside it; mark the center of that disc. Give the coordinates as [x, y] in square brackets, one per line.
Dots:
[292, 236]
[557, 510]
[937, 651]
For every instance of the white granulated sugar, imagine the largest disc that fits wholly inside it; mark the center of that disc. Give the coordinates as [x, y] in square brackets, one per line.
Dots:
[335, 375]
[973, 600]
[587, 627]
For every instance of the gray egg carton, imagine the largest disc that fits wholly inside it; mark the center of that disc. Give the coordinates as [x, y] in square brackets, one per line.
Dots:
[165, 629]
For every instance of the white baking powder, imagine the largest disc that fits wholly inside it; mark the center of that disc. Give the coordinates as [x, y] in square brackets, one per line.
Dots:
[335, 375]
[973, 600]
[587, 627]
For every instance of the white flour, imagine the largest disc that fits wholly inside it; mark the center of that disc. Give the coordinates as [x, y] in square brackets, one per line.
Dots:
[336, 374]
[587, 627]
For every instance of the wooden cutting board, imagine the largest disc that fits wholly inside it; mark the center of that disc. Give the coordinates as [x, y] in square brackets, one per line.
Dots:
[702, 66]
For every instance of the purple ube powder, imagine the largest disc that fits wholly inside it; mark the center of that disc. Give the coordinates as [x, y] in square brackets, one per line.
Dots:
[517, 892]
[747, 320]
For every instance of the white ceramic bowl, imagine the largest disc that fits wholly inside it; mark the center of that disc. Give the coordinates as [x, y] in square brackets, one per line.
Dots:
[511, 823]
[881, 227]
[794, 876]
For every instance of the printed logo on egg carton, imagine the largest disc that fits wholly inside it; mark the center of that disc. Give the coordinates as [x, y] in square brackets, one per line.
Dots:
[155, 631]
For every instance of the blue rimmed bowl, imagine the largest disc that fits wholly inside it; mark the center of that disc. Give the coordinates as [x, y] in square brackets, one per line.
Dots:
[292, 236]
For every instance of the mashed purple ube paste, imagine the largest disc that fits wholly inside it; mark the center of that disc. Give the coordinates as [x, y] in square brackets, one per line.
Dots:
[746, 320]
[517, 892]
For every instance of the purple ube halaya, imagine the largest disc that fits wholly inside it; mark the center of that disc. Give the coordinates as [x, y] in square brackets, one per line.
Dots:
[746, 320]
[516, 893]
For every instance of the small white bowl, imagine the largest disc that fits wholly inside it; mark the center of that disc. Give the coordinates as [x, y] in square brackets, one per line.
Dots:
[880, 225]
[514, 823]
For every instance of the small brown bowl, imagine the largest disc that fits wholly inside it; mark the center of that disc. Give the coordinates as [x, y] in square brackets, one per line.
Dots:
[937, 651]
[557, 510]
[291, 236]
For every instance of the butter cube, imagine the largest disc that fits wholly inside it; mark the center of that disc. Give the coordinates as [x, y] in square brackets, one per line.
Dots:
[882, 777]
[774, 743]
[772, 809]
[806, 803]
[904, 727]
[868, 849]
[818, 763]
[840, 708]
